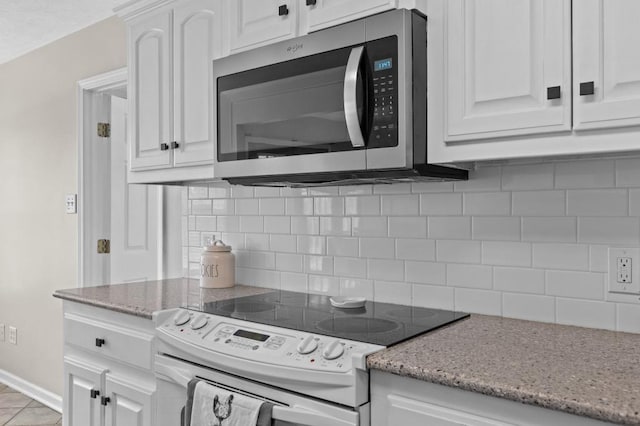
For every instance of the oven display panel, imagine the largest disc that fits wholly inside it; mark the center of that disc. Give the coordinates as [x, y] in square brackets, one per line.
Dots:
[251, 335]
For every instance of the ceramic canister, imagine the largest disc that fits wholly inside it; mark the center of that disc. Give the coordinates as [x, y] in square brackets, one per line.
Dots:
[217, 266]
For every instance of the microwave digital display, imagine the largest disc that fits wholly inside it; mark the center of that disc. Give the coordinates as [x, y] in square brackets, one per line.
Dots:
[383, 64]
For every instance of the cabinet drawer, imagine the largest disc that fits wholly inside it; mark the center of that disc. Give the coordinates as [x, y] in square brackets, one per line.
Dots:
[109, 340]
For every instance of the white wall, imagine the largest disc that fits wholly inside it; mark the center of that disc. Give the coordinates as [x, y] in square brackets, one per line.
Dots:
[38, 166]
[523, 241]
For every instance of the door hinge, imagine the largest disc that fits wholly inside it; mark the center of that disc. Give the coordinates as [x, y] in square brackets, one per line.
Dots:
[104, 246]
[104, 130]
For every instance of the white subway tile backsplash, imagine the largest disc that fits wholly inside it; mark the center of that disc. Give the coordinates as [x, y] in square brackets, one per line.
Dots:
[561, 256]
[628, 172]
[299, 206]
[481, 179]
[238, 191]
[440, 204]
[222, 207]
[415, 249]
[191, 223]
[277, 224]
[598, 258]
[272, 206]
[585, 174]
[234, 239]
[342, 246]
[265, 191]
[219, 190]
[247, 206]
[306, 225]
[356, 287]
[487, 204]
[257, 242]
[289, 262]
[529, 176]
[458, 251]
[634, 202]
[204, 223]
[256, 259]
[628, 318]
[529, 307]
[586, 313]
[318, 265]
[383, 269]
[392, 292]
[251, 223]
[539, 203]
[284, 243]
[400, 205]
[340, 226]
[425, 272]
[292, 281]
[377, 248]
[351, 267]
[329, 206]
[485, 302]
[449, 227]
[433, 296]
[597, 202]
[396, 188]
[319, 284]
[505, 228]
[408, 227]
[294, 192]
[324, 191]
[196, 192]
[423, 187]
[375, 226]
[506, 253]
[618, 230]
[193, 238]
[549, 229]
[581, 285]
[519, 280]
[362, 206]
[201, 207]
[312, 245]
[356, 190]
[472, 276]
[228, 223]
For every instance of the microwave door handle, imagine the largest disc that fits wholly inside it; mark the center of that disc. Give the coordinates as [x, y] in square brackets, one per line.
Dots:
[351, 98]
[303, 416]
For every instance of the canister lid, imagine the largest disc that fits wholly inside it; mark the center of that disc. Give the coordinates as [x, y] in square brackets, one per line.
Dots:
[218, 245]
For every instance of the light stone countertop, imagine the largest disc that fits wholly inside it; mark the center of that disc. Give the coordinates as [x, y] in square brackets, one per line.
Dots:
[144, 298]
[583, 371]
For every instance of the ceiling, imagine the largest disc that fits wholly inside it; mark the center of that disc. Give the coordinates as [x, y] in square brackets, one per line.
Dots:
[26, 25]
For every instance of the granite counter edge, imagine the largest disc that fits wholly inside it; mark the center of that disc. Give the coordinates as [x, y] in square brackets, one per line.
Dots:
[130, 310]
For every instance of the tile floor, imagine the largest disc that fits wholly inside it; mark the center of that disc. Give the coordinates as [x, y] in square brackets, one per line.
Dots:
[17, 409]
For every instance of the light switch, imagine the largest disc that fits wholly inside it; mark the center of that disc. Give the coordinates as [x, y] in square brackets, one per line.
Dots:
[70, 202]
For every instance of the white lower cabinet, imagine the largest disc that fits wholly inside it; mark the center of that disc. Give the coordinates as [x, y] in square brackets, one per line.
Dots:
[403, 401]
[107, 368]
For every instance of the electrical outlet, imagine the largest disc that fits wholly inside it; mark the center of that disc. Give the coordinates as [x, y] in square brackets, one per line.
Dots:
[70, 201]
[623, 278]
[13, 335]
[1, 332]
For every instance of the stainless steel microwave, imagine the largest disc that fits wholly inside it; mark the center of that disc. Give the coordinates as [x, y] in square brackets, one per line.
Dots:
[343, 105]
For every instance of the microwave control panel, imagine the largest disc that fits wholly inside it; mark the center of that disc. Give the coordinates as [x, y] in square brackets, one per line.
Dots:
[383, 68]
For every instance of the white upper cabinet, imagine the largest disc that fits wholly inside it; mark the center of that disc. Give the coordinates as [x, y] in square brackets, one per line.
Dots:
[197, 29]
[254, 23]
[507, 68]
[149, 82]
[318, 14]
[606, 86]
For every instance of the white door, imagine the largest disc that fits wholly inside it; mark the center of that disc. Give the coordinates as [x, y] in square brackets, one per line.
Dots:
[606, 37]
[149, 82]
[129, 404]
[197, 29]
[83, 385]
[254, 23]
[507, 67]
[318, 14]
[136, 212]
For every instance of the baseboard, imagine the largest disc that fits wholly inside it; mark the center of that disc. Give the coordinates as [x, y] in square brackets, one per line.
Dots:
[41, 395]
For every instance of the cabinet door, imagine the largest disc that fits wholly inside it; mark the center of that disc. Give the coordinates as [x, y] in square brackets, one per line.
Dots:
[81, 402]
[254, 23]
[501, 56]
[606, 38]
[327, 13]
[149, 96]
[197, 29]
[129, 405]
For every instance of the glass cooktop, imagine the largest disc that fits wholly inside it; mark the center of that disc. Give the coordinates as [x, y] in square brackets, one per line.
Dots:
[378, 323]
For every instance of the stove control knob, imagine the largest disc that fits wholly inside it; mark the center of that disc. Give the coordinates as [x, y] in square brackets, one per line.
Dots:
[333, 350]
[307, 345]
[199, 322]
[181, 318]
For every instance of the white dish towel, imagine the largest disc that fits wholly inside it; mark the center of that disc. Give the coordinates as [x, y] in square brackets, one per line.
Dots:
[208, 405]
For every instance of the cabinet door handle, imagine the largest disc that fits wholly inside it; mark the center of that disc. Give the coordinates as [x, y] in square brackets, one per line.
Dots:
[553, 92]
[587, 88]
[95, 393]
[100, 342]
[174, 145]
[104, 400]
[283, 10]
[311, 2]
[164, 147]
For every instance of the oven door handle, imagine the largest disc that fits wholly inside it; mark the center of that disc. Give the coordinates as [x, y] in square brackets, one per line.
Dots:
[303, 416]
[178, 375]
[351, 97]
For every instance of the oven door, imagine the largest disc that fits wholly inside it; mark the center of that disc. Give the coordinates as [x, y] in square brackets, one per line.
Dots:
[289, 409]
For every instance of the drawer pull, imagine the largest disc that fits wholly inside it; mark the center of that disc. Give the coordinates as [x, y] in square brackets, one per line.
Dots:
[174, 145]
[100, 342]
[104, 400]
[283, 10]
[553, 92]
[587, 88]
[164, 147]
[95, 393]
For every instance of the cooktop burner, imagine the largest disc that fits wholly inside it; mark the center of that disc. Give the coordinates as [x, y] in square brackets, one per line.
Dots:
[378, 323]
